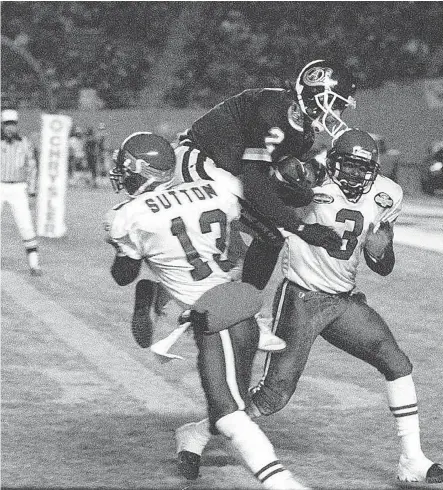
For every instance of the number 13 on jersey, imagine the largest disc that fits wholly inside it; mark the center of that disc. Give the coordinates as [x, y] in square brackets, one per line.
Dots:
[201, 269]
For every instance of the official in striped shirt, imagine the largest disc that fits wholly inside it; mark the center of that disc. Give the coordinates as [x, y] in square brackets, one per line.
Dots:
[18, 168]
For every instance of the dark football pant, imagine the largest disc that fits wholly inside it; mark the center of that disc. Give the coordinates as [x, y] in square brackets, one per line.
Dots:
[344, 320]
[224, 364]
[259, 264]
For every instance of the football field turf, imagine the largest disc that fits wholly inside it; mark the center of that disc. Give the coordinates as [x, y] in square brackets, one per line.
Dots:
[84, 406]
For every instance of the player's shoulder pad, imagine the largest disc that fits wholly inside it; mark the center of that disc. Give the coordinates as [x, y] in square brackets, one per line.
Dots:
[228, 304]
[273, 105]
[122, 216]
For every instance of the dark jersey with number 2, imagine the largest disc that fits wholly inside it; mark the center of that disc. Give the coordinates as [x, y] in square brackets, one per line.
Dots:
[252, 126]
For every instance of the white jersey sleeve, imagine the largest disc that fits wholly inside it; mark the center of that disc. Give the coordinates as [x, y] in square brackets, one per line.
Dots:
[123, 231]
[315, 268]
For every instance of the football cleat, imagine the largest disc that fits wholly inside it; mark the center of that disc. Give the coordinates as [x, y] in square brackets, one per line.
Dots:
[144, 315]
[435, 474]
[188, 464]
[268, 342]
[35, 271]
[419, 471]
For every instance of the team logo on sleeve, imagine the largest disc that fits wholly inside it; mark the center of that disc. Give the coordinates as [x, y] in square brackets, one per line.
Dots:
[322, 198]
[383, 200]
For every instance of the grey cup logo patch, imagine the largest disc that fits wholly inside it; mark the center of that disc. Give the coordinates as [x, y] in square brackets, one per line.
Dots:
[384, 200]
[323, 198]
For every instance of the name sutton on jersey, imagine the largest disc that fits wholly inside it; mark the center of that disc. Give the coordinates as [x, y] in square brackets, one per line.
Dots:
[182, 196]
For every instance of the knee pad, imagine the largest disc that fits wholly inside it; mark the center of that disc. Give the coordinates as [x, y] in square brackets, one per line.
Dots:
[391, 361]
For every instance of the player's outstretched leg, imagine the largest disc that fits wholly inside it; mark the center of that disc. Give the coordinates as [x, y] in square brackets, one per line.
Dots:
[413, 466]
[144, 315]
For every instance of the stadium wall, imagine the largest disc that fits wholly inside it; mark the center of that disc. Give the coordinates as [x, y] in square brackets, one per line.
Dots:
[408, 115]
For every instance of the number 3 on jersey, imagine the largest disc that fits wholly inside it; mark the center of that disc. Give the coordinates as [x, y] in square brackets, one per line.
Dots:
[351, 236]
[201, 270]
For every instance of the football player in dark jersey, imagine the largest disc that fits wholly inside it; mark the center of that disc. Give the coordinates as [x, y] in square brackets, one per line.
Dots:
[251, 131]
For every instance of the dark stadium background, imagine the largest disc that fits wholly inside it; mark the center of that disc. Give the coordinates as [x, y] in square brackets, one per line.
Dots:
[173, 60]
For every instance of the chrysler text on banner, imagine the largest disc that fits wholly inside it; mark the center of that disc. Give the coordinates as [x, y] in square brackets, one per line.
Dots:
[53, 174]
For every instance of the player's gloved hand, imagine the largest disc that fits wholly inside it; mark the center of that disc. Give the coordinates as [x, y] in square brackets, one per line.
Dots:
[296, 197]
[320, 236]
[377, 242]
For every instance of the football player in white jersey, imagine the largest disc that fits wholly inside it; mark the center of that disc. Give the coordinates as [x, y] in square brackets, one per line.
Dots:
[318, 295]
[183, 234]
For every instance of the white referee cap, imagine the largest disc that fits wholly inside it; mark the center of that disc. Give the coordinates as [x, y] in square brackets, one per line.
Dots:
[9, 115]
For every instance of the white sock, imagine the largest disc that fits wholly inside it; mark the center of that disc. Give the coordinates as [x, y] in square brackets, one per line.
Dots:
[254, 447]
[33, 260]
[403, 405]
[196, 437]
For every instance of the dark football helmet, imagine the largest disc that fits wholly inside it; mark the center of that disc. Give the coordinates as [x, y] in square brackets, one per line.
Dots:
[144, 161]
[323, 91]
[352, 163]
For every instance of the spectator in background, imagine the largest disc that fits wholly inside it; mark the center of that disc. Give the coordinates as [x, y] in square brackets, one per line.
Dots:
[101, 150]
[76, 152]
[91, 151]
[17, 171]
[35, 143]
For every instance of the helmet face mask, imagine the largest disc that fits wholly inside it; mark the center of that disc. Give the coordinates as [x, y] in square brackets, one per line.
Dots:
[323, 93]
[144, 162]
[352, 163]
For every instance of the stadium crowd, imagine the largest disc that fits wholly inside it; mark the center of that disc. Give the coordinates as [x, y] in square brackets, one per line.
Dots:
[112, 46]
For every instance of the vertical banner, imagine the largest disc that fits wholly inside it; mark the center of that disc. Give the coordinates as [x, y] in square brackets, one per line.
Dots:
[53, 175]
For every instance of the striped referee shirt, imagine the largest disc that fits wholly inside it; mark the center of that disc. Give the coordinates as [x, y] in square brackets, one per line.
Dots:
[18, 161]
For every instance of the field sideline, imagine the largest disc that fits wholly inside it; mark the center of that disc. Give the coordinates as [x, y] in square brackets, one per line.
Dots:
[84, 406]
